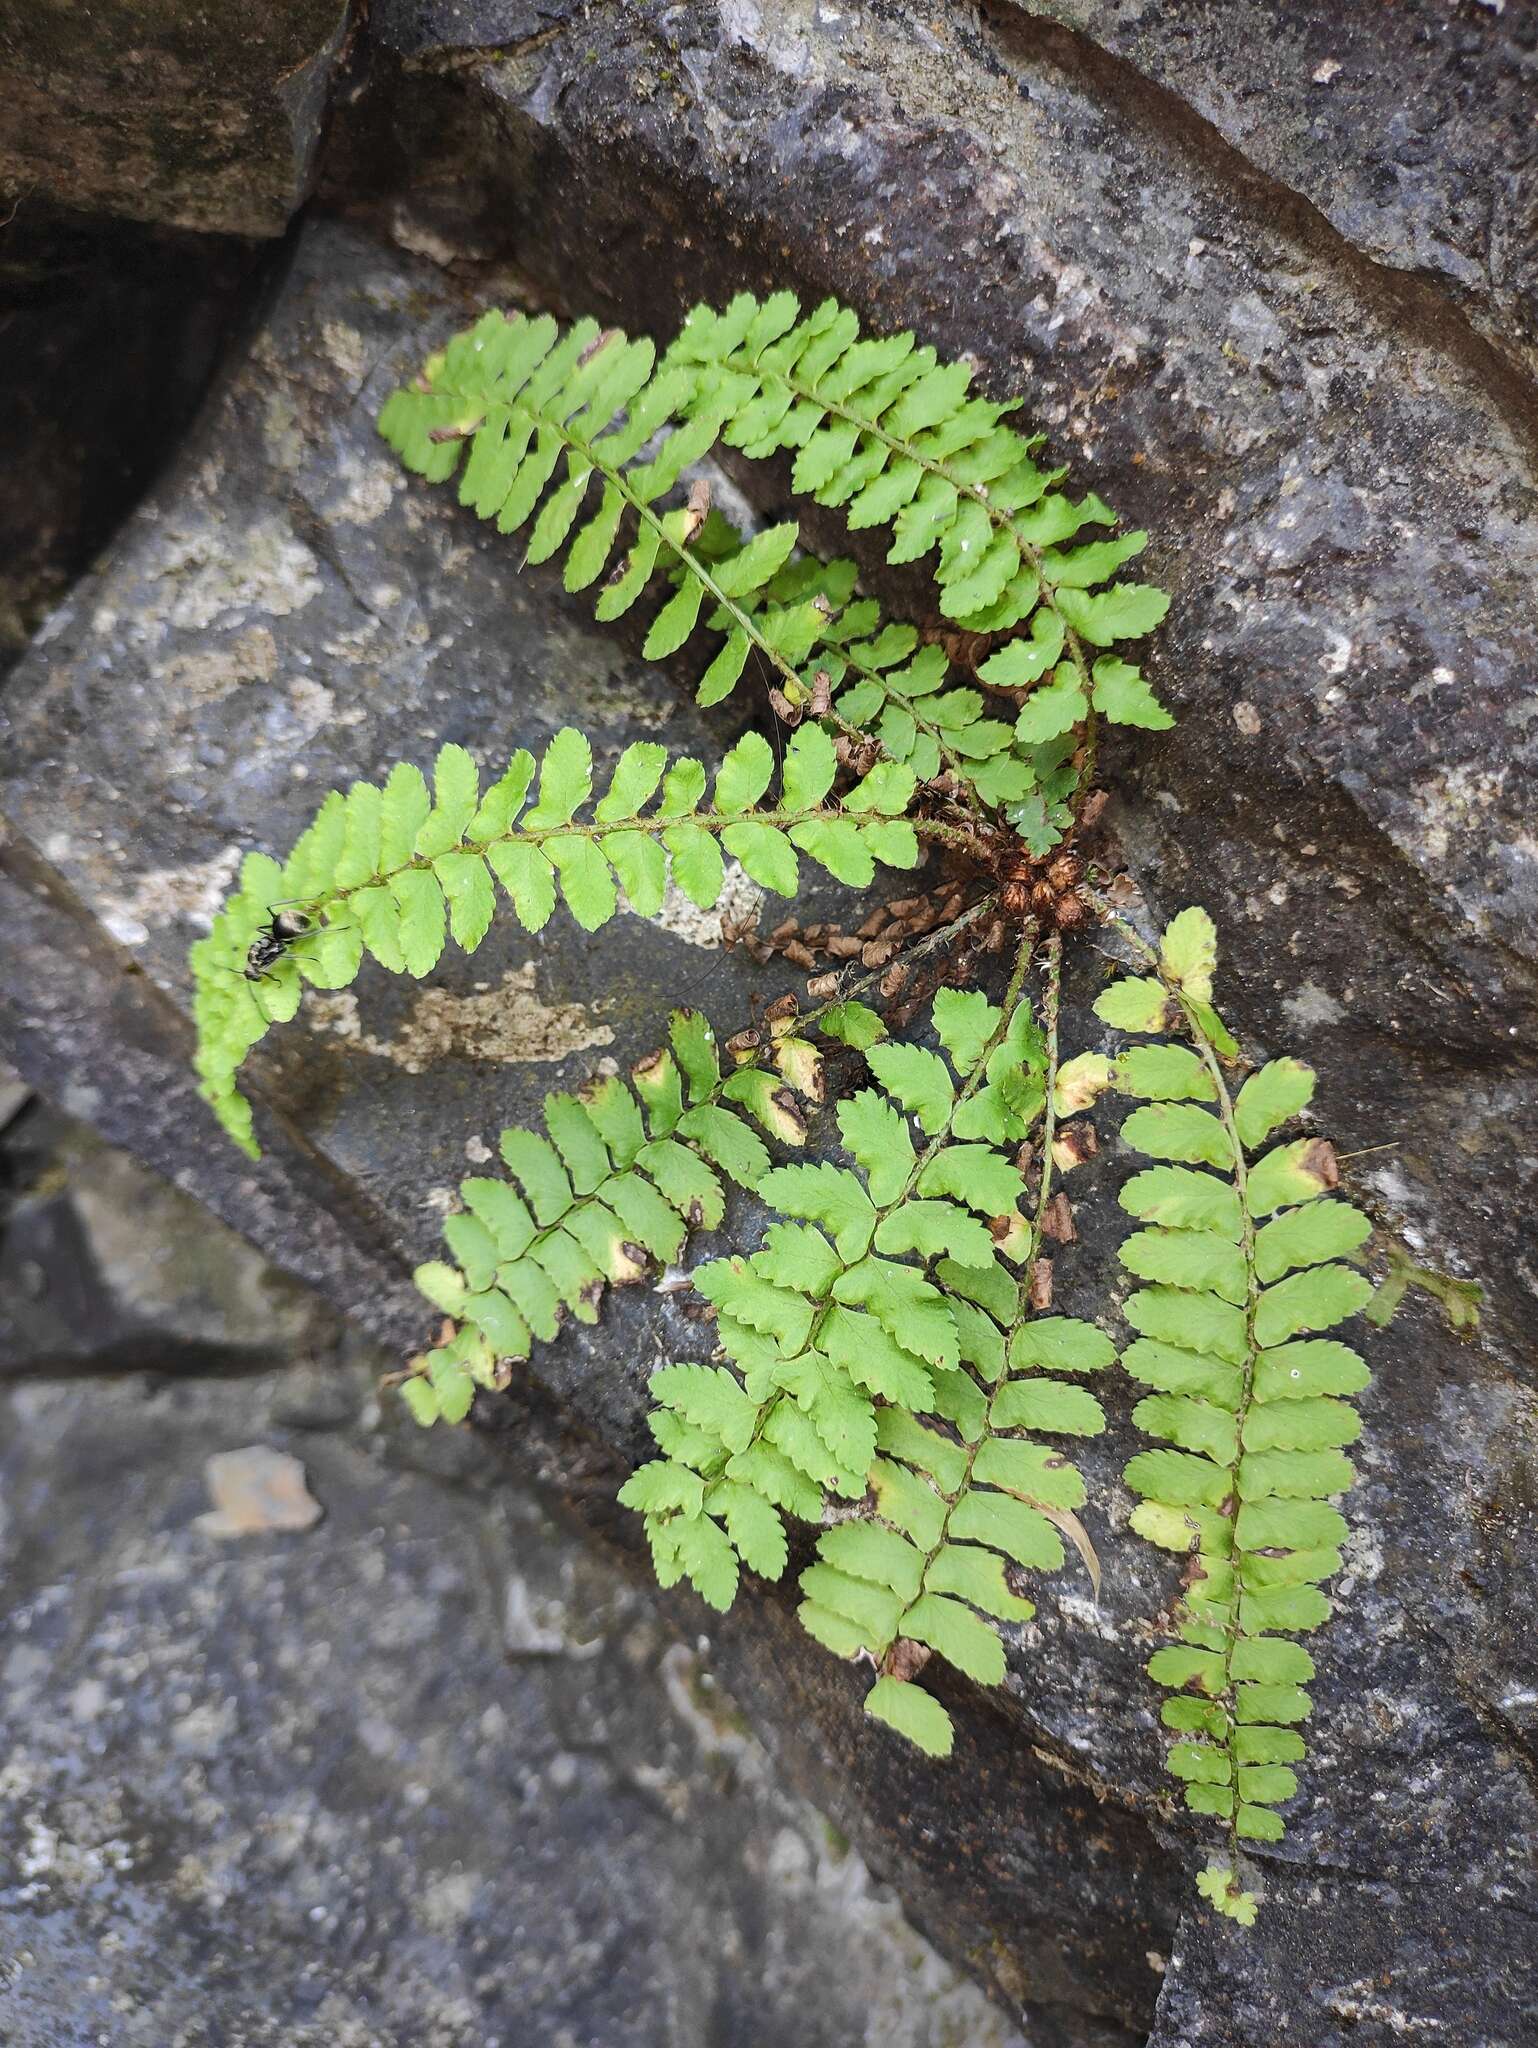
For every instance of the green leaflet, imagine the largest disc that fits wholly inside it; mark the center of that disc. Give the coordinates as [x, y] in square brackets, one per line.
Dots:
[911, 1712]
[917, 1080]
[1248, 1407]
[393, 872]
[828, 1195]
[964, 1022]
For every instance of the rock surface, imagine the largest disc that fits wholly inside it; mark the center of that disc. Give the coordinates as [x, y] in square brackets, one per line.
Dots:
[1340, 492]
[1407, 127]
[207, 120]
[429, 1772]
[103, 1267]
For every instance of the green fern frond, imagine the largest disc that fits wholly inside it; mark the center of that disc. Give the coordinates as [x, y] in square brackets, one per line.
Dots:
[528, 401]
[830, 1317]
[880, 427]
[397, 871]
[879, 1349]
[956, 1515]
[1240, 1256]
[622, 1176]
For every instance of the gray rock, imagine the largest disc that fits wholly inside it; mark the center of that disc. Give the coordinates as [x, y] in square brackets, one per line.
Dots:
[1408, 128]
[429, 1772]
[109, 336]
[14, 1095]
[412, 28]
[103, 1266]
[140, 110]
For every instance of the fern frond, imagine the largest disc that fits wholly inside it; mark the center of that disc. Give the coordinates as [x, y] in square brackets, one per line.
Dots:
[397, 871]
[956, 1516]
[883, 429]
[528, 401]
[879, 426]
[622, 1176]
[1240, 1255]
[879, 1349]
[839, 1317]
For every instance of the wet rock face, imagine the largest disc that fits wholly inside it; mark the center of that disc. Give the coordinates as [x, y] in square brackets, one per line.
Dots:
[1340, 494]
[205, 119]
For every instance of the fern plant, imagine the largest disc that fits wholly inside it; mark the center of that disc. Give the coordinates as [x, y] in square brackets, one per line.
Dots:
[1240, 1264]
[888, 1371]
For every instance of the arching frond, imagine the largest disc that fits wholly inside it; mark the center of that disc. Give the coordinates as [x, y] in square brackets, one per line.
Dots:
[622, 1174]
[882, 428]
[582, 437]
[396, 871]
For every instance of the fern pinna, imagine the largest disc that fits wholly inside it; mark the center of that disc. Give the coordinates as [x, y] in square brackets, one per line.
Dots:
[1240, 1264]
[889, 1368]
